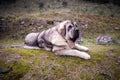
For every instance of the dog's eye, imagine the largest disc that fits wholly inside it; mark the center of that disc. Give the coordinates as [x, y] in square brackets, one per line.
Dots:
[69, 27]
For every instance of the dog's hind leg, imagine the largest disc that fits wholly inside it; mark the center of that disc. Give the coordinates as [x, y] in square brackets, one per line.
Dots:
[73, 52]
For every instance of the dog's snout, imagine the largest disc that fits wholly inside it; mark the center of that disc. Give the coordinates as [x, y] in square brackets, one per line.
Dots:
[77, 30]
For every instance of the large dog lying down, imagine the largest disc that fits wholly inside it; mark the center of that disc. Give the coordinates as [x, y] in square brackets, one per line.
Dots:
[60, 39]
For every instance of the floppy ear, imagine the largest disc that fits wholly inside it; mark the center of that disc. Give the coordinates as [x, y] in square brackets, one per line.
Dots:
[62, 29]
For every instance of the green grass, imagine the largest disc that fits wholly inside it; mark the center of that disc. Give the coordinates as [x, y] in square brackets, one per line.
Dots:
[18, 70]
[42, 64]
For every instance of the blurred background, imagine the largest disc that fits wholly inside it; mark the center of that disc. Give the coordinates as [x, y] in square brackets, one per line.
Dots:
[36, 15]
[14, 14]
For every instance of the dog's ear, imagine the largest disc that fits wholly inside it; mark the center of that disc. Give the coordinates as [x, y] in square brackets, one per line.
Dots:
[62, 28]
[63, 31]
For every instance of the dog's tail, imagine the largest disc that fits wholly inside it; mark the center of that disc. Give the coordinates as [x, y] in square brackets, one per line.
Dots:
[25, 46]
[31, 47]
[17, 46]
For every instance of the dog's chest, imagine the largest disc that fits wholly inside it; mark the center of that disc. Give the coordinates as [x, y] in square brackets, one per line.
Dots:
[52, 36]
[57, 39]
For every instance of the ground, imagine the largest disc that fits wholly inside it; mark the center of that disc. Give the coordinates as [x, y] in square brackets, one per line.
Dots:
[22, 64]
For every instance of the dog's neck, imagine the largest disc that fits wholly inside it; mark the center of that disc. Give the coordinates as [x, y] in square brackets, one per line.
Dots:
[70, 42]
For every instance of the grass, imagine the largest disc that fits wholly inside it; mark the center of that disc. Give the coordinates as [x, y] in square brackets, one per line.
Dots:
[44, 65]
[40, 64]
[18, 70]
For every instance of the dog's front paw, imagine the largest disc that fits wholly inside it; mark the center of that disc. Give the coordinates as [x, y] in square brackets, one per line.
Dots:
[86, 49]
[87, 57]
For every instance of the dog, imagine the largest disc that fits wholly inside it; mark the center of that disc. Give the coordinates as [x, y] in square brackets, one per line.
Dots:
[60, 39]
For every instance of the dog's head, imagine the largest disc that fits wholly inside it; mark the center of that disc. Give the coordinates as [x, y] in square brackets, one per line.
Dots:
[69, 30]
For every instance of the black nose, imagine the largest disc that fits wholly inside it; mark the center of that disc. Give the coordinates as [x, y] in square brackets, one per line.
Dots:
[76, 29]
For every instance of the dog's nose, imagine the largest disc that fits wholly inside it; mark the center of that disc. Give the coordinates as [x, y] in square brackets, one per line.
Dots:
[77, 30]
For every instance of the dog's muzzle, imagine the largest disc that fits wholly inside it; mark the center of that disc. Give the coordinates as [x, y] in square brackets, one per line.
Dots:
[75, 34]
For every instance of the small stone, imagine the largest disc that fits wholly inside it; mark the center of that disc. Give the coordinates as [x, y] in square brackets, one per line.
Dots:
[5, 70]
[50, 22]
[105, 40]
[118, 60]
[117, 28]
[31, 62]
[22, 23]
